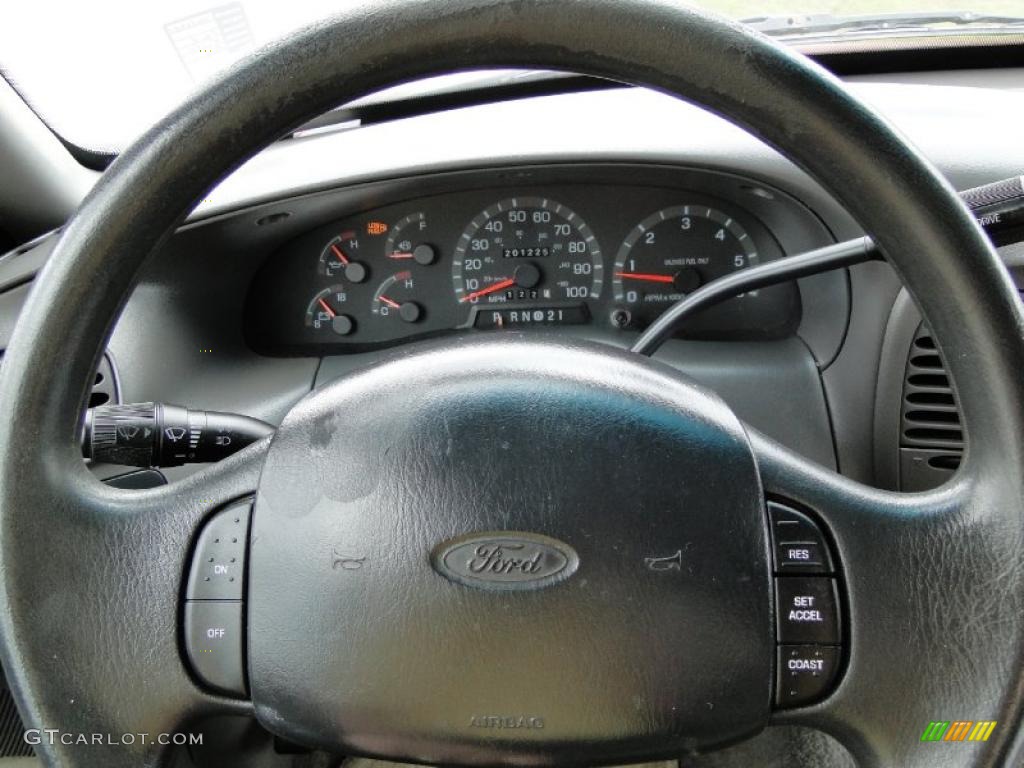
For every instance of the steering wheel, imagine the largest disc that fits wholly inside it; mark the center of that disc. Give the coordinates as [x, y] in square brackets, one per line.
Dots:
[606, 459]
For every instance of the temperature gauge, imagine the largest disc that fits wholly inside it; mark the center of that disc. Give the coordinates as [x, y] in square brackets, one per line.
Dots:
[325, 312]
[405, 243]
[339, 258]
[393, 299]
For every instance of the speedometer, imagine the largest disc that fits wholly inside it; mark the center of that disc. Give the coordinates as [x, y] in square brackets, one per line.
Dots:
[527, 249]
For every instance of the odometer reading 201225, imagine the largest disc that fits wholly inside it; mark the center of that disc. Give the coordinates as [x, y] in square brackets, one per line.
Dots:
[527, 249]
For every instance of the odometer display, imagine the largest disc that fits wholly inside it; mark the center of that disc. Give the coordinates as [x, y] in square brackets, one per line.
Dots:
[527, 249]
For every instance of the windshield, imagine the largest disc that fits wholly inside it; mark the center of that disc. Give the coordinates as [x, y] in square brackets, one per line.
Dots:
[102, 72]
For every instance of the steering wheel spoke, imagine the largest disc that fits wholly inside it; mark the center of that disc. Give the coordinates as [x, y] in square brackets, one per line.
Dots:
[920, 576]
[110, 565]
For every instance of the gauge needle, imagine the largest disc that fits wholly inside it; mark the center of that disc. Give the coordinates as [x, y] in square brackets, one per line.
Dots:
[327, 308]
[340, 254]
[400, 255]
[390, 302]
[499, 286]
[647, 278]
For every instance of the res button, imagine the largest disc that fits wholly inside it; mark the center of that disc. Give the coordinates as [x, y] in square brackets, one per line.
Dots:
[799, 544]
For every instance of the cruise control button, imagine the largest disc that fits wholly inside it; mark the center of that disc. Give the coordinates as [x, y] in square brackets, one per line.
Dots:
[806, 673]
[800, 546]
[218, 564]
[807, 610]
[799, 556]
[213, 640]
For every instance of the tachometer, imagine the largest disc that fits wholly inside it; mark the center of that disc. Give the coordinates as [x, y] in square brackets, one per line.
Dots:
[527, 249]
[673, 252]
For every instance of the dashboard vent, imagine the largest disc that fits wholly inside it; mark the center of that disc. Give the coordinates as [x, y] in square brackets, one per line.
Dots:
[105, 383]
[930, 418]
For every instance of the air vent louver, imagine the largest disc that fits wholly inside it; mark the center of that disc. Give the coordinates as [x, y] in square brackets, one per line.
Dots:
[929, 414]
[104, 387]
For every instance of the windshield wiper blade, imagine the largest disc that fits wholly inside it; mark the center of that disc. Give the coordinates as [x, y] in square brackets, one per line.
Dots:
[826, 23]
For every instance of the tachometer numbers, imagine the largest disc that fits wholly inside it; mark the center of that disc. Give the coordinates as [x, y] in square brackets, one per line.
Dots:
[672, 253]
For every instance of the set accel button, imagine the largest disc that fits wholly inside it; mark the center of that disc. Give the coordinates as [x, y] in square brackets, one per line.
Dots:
[807, 610]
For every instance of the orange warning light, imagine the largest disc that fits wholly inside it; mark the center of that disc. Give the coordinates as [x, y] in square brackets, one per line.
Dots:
[376, 227]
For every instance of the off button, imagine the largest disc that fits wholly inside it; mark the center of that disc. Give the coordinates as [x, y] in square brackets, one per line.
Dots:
[807, 610]
[213, 640]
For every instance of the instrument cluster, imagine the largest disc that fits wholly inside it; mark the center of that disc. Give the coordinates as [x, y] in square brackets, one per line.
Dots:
[607, 256]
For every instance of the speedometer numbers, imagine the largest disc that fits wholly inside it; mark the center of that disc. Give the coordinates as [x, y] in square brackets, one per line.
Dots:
[672, 253]
[527, 250]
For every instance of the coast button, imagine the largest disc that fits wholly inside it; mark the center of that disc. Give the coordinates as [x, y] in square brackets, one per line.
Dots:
[806, 673]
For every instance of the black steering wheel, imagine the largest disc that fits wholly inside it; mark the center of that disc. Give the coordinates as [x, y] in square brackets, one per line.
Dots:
[593, 656]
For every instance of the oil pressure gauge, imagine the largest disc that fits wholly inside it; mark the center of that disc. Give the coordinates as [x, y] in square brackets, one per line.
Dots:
[340, 258]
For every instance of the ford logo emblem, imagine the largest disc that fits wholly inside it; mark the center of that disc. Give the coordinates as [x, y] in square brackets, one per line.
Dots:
[505, 560]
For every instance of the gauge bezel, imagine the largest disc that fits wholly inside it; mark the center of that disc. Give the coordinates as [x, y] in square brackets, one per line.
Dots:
[667, 214]
[530, 202]
[611, 198]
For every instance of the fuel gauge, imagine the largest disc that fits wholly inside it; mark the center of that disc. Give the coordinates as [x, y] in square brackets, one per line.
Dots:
[393, 298]
[406, 241]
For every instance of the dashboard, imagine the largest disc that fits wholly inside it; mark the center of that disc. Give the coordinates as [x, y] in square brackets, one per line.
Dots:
[611, 256]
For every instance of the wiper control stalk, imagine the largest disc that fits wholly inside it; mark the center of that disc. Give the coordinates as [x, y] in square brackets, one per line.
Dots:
[162, 435]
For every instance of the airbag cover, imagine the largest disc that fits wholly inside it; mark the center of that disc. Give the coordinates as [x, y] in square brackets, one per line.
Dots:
[523, 551]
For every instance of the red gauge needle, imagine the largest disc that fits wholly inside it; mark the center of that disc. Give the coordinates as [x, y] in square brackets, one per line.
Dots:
[499, 286]
[327, 308]
[400, 255]
[648, 278]
[340, 254]
[390, 302]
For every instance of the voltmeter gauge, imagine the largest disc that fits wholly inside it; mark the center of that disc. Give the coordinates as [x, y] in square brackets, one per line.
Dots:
[326, 313]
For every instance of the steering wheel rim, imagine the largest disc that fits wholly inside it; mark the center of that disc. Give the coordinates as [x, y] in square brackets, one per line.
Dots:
[952, 554]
